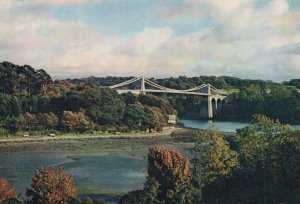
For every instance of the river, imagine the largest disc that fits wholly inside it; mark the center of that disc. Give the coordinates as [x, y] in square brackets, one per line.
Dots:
[224, 126]
[103, 168]
[221, 125]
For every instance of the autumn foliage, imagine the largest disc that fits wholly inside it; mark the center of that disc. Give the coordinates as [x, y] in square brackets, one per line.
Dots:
[168, 166]
[168, 179]
[51, 186]
[6, 191]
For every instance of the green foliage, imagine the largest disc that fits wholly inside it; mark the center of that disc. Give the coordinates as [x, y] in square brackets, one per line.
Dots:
[22, 80]
[269, 155]
[136, 117]
[16, 200]
[280, 102]
[105, 106]
[86, 200]
[213, 160]
[155, 101]
[136, 197]
[4, 132]
[271, 149]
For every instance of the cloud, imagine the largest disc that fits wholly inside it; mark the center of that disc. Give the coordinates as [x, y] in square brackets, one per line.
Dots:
[247, 41]
[146, 41]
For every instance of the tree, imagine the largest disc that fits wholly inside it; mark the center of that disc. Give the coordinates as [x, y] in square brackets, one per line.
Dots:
[270, 150]
[6, 191]
[155, 101]
[78, 121]
[47, 120]
[134, 116]
[168, 179]
[157, 119]
[51, 186]
[26, 121]
[213, 159]
[105, 106]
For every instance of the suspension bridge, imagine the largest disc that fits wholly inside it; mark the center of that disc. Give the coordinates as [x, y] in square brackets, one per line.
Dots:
[141, 85]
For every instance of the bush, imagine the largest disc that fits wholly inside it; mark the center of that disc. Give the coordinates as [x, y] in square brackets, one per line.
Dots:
[86, 200]
[4, 132]
[16, 201]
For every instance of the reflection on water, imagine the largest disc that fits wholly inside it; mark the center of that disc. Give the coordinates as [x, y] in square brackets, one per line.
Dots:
[224, 126]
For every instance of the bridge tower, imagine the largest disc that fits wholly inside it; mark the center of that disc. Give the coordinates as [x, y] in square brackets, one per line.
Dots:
[209, 103]
[142, 85]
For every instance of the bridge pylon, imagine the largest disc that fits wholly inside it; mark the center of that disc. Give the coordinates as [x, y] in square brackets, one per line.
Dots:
[143, 89]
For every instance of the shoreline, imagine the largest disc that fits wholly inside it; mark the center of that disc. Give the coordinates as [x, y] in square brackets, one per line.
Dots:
[82, 137]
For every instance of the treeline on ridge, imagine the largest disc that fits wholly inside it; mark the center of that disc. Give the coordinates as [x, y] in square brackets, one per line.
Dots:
[26, 90]
[246, 97]
[37, 103]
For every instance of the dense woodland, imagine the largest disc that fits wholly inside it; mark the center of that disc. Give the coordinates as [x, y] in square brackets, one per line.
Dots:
[30, 101]
[247, 97]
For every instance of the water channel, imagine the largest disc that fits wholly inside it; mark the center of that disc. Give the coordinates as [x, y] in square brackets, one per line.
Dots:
[102, 168]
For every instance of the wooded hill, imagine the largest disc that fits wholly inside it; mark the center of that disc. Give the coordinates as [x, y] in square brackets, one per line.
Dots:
[247, 97]
[31, 101]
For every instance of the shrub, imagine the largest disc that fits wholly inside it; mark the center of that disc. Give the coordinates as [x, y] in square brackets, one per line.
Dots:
[3, 132]
[16, 201]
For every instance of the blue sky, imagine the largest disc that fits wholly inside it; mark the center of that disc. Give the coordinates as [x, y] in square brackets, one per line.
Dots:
[128, 17]
[154, 38]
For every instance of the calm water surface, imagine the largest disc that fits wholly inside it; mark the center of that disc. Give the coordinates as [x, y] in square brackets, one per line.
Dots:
[225, 126]
[101, 169]
[221, 125]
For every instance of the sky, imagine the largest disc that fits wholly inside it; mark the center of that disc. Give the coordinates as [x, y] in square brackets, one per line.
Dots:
[256, 39]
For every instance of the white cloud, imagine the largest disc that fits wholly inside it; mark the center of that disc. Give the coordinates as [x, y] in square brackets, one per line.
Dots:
[146, 41]
[247, 41]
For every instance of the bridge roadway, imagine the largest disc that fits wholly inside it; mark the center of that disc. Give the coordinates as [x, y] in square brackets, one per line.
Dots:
[120, 91]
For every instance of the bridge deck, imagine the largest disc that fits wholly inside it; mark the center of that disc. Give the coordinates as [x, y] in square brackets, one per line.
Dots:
[120, 91]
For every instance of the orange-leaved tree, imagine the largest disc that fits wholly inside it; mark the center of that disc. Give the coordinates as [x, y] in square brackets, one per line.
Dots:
[51, 186]
[6, 191]
[168, 179]
[170, 169]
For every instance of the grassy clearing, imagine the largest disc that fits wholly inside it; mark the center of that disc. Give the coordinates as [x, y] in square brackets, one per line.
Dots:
[231, 90]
